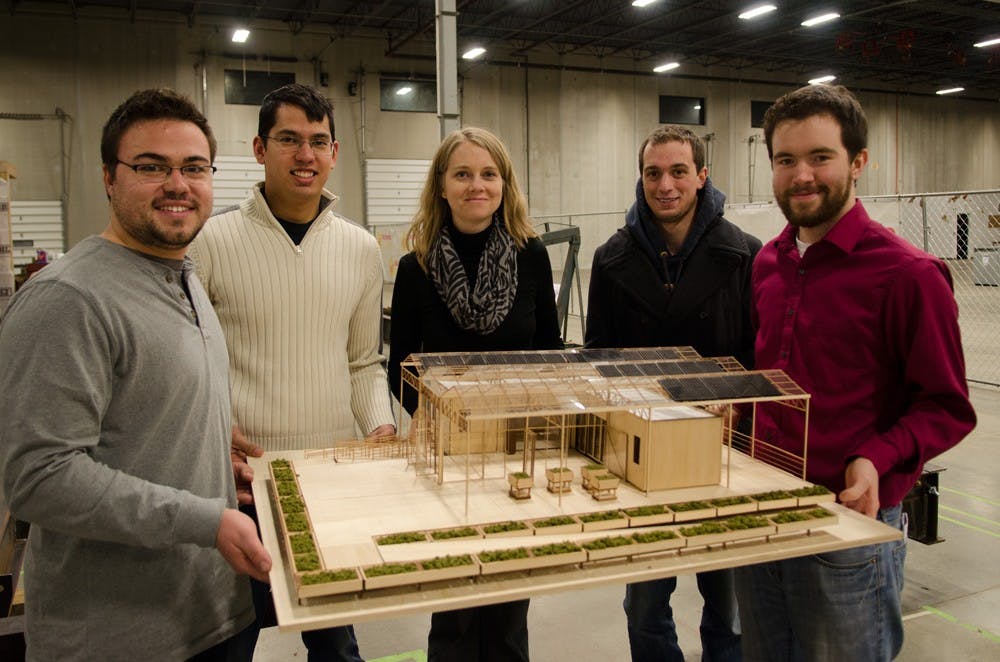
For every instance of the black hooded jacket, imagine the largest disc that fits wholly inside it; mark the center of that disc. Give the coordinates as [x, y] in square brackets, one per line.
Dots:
[698, 297]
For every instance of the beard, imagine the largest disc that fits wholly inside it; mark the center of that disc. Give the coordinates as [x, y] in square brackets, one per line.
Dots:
[142, 226]
[833, 199]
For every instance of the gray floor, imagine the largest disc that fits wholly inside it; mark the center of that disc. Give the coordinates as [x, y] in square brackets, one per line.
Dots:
[951, 599]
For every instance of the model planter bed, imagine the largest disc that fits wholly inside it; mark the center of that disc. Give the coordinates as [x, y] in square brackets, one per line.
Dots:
[440, 568]
[705, 533]
[609, 547]
[812, 495]
[296, 529]
[603, 486]
[692, 510]
[736, 505]
[558, 525]
[512, 528]
[603, 520]
[587, 471]
[455, 533]
[520, 484]
[743, 527]
[402, 538]
[504, 560]
[790, 521]
[775, 500]
[328, 582]
[560, 479]
[648, 515]
[657, 540]
[522, 558]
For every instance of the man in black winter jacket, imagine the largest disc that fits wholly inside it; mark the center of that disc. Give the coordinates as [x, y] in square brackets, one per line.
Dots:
[678, 273]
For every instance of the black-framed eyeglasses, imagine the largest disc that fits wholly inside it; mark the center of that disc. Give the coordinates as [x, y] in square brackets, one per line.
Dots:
[160, 172]
[290, 143]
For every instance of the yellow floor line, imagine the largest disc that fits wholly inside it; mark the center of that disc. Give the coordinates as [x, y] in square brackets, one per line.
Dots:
[971, 496]
[969, 515]
[969, 526]
[971, 628]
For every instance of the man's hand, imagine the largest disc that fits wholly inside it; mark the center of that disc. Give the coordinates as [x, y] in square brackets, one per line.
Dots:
[387, 430]
[238, 543]
[861, 487]
[242, 473]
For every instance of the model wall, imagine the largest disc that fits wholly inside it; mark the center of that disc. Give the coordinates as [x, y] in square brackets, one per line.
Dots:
[572, 129]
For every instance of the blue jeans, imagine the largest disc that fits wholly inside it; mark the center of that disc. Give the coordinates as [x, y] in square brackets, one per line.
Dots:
[491, 633]
[652, 635]
[842, 605]
[338, 644]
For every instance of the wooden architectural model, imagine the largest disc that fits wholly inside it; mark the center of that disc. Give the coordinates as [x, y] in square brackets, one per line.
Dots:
[588, 449]
[654, 417]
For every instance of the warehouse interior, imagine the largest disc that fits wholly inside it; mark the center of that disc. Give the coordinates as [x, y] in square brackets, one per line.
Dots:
[572, 87]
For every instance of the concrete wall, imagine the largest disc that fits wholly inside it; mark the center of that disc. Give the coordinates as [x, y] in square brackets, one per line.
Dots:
[572, 127]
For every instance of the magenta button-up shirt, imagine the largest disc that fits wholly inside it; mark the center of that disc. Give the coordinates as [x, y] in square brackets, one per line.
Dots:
[868, 325]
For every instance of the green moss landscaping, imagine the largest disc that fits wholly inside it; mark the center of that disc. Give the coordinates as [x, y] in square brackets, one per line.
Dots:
[328, 576]
[504, 527]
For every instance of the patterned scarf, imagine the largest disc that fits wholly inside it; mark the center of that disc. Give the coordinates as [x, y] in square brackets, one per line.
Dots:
[486, 307]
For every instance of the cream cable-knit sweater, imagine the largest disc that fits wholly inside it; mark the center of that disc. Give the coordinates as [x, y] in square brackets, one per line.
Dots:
[302, 323]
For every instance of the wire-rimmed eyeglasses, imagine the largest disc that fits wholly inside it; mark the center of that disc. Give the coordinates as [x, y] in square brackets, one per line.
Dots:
[291, 143]
[160, 172]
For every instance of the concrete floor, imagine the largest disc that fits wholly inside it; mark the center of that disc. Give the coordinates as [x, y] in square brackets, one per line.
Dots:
[951, 600]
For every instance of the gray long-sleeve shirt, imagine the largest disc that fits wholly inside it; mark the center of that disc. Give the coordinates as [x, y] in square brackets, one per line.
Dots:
[114, 445]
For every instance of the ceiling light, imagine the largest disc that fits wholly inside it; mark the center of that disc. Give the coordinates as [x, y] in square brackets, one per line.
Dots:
[759, 10]
[667, 66]
[697, 106]
[240, 35]
[822, 79]
[822, 18]
[473, 53]
[642, 3]
[403, 91]
[951, 90]
[988, 42]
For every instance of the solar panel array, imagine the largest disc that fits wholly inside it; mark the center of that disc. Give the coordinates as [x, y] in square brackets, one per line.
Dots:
[549, 358]
[658, 368]
[718, 387]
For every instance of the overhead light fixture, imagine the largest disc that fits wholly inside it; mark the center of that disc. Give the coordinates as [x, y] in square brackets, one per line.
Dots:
[759, 10]
[240, 35]
[642, 3]
[667, 66]
[403, 91]
[822, 79]
[697, 106]
[988, 42]
[951, 90]
[473, 53]
[822, 18]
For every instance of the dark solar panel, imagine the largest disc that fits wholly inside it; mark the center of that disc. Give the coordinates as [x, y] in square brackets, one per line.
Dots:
[608, 370]
[718, 387]
[602, 354]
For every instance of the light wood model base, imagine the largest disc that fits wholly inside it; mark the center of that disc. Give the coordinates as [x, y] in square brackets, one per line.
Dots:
[350, 504]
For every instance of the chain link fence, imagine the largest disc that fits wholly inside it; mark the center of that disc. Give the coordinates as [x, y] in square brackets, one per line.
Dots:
[962, 228]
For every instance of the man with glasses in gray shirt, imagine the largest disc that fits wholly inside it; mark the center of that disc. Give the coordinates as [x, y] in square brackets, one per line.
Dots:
[116, 420]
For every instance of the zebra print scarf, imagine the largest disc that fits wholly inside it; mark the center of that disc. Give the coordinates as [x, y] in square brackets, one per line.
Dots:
[484, 308]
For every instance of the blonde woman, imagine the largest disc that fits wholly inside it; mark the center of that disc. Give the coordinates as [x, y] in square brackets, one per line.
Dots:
[477, 278]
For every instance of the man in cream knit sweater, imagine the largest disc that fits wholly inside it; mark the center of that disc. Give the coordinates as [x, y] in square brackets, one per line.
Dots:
[298, 291]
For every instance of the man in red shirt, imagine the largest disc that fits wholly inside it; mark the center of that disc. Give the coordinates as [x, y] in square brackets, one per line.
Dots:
[868, 325]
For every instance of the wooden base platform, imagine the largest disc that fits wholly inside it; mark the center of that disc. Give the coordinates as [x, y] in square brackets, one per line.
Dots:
[350, 503]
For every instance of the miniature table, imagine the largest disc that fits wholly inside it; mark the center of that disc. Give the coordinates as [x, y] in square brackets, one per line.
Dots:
[348, 511]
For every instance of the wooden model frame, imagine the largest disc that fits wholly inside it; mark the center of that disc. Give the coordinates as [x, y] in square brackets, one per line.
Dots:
[552, 406]
[478, 409]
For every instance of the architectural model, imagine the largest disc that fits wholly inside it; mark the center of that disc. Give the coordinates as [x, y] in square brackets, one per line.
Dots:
[516, 461]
